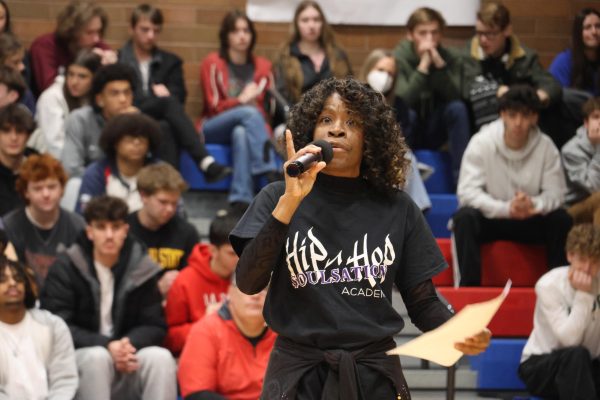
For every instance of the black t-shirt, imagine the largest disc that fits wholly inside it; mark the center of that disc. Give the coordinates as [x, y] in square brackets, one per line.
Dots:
[239, 76]
[345, 247]
[170, 245]
[35, 249]
[309, 74]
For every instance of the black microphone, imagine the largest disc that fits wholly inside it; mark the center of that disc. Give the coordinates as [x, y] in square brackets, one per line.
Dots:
[306, 161]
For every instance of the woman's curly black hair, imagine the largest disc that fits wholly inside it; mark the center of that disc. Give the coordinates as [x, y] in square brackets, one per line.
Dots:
[384, 164]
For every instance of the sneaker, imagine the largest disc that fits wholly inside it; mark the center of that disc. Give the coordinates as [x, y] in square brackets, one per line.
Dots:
[215, 172]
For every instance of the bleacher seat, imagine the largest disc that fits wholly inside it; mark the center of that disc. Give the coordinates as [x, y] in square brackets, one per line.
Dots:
[443, 206]
[194, 177]
[440, 182]
[221, 153]
[524, 264]
[445, 278]
[513, 319]
[497, 367]
[501, 260]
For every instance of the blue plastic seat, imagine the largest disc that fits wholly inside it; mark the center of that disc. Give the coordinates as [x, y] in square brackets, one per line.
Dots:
[222, 153]
[440, 181]
[497, 367]
[195, 178]
[443, 206]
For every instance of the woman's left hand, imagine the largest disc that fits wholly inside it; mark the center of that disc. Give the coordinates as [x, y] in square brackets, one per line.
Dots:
[475, 344]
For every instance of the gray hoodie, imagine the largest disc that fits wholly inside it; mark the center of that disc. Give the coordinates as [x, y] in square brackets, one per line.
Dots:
[581, 160]
[82, 133]
[491, 173]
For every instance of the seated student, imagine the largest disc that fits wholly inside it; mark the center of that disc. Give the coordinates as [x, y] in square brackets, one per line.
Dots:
[577, 67]
[511, 186]
[160, 91]
[11, 55]
[12, 86]
[227, 352]
[310, 54]
[65, 95]
[234, 84]
[37, 359]
[128, 142]
[80, 25]
[105, 288]
[495, 60]
[379, 72]
[111, 94]
[428, 80]
[201, 287]
[170, 238]
[16, 125]
[41, 229]
[561, 359]
[581, 161]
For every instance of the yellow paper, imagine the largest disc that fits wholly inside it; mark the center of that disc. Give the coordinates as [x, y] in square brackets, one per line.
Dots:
[438, 345]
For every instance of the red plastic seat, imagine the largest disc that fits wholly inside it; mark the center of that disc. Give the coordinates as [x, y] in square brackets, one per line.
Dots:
[501, 260]
[513, 319]
[445, 278]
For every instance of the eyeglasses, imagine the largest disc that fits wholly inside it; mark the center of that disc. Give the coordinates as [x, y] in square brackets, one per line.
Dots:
[487, 34]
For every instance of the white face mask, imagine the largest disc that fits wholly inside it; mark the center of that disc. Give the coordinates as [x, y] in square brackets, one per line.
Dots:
[380, 81]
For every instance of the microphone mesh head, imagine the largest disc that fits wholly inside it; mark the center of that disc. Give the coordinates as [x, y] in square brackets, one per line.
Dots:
[326, 149]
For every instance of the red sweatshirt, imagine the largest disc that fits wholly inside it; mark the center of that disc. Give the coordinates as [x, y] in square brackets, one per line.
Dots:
[218, 358]
[214, 79]
[195, 288]
[48, 55]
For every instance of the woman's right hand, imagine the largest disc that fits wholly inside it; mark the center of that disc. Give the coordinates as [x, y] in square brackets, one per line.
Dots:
[296, 188]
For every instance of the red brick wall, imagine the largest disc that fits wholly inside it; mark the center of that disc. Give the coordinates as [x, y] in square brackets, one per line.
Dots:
[192, 25]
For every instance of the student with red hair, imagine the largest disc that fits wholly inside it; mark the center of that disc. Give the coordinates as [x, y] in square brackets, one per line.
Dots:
[41, 228]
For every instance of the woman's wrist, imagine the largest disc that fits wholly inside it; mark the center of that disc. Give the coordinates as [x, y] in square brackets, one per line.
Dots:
[286, 207]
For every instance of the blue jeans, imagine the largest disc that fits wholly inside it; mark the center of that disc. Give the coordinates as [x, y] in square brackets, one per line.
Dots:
[244, 129]
[447, 123]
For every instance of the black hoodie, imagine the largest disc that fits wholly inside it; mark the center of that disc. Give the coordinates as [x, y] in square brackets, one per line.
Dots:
[72, 291]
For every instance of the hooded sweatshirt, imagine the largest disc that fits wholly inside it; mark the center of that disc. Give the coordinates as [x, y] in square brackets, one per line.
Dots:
[581, 160]
[491, 173]
[221, 361]
[195, 288]
[72, 291]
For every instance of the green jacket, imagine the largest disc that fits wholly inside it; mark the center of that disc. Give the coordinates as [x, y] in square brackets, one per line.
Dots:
[521, 65]
[425, 92]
